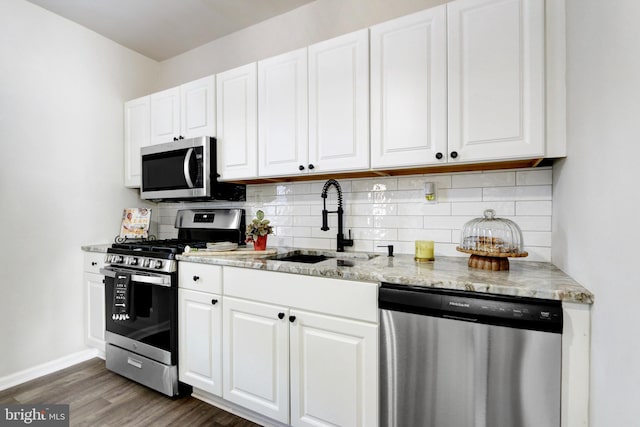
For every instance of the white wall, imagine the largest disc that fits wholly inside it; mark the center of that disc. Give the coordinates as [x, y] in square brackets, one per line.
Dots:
[308, 24]
[62, 88]
[596, 195]
[392, 211]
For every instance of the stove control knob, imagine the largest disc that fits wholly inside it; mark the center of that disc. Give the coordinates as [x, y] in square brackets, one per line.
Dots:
[119, 259]
[133, 261]
[145, 263]
[158, 264]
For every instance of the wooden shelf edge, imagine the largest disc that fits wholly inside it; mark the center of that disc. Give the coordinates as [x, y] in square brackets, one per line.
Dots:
[447, 168]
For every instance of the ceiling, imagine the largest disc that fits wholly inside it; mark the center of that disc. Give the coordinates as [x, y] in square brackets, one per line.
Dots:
[161, 29]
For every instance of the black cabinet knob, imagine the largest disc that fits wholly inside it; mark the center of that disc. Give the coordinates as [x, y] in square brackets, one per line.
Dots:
[181, 137]
[94, 263]
[438, 155]
[196, 278]
[214, 301]
[280, 316]
[292, 319]
[454, 154]
[301, 167]
[175, 139]
[311, 166]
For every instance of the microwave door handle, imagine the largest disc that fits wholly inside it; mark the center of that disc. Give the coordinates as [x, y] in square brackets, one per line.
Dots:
[187, 175]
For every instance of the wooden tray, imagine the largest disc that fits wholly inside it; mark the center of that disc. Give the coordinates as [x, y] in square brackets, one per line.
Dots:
[237, 252]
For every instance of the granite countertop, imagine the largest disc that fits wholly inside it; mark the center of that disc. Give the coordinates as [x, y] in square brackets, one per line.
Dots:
[525, 278]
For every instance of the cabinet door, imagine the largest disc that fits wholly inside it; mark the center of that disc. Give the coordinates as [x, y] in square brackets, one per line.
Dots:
[334, 371]
[283, 137]
[200, 340]
[137, 134]
[95, 310]
[256, 357]
[496, 79]
[237, 133]
[339, 103]
[198, 108]
[165, 115]
[409, 90]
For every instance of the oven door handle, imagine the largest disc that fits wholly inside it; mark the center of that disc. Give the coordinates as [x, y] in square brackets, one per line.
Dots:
[152, 280]
[187, 175]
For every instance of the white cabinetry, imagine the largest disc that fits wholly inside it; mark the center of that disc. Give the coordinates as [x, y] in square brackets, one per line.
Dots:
[137, 134]
[496, 79]
[283, 137]
[200, 326]
[409, 90]
[184, 112]
[339, 103]
[301, 350]
[95, 301]
[237, 109]
[462, 82]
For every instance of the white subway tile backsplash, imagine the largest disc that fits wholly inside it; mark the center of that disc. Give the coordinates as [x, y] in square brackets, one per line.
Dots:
[392, 210]
[542, 176]
[484, 179]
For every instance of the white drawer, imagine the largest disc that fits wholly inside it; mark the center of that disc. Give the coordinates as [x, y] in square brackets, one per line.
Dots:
[93, 262]
[346, 298]
[200, 277]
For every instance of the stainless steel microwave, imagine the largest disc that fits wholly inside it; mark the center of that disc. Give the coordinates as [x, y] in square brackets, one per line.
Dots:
[185, 170]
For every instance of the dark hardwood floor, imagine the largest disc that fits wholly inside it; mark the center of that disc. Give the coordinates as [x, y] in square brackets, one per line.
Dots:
[99, 398]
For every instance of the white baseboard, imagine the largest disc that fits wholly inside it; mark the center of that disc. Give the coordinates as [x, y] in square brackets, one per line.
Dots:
[47, 368]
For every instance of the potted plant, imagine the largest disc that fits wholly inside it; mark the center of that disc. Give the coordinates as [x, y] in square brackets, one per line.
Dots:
[257, 231]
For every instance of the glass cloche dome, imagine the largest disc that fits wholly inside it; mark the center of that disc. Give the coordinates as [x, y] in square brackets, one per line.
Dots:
[490, 241]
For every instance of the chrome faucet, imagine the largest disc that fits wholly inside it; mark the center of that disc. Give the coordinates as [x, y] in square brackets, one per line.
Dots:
[342, 242]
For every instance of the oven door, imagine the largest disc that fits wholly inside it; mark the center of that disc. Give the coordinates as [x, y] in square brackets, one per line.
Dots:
[152, 327]
[177, 169]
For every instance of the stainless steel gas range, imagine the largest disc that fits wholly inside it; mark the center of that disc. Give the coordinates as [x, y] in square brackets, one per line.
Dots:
[141, 296]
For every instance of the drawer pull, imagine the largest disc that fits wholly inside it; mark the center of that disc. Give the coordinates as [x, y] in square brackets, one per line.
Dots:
[135, 363]
[292, 319]
[196, 278]
[214, 301]
[280, 316]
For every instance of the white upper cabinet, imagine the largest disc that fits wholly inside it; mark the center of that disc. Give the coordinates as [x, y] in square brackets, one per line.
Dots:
[137, 134]
[409, 90]
[339, 103]
[283, 138]
[184, 112]
[496, 79]
[198, 108]
[237, 132]
[165, 115]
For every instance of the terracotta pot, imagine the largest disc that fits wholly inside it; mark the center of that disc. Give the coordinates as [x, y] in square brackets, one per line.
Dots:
[260, 243]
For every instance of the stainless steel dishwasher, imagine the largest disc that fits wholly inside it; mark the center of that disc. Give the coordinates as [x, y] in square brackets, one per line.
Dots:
[466, 359]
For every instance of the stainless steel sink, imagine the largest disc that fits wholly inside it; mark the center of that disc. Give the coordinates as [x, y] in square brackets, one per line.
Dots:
[304, 258]
[343, 259]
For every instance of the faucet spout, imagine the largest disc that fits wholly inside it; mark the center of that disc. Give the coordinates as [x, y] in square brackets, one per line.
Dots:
[342, 242]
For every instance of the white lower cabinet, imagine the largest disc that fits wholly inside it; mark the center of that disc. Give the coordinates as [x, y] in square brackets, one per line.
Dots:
[298, 350]
[200, 326]
[200, 340]
[94, 291]
[256, 357]
[332, 362]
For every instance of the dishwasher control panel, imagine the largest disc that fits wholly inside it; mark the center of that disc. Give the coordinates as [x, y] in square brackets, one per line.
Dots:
[503, 310]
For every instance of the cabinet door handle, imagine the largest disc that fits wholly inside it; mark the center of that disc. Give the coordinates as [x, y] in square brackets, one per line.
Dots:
[93, 263]
[181, 137]
[454, 154]
[311, 167]
[196, 278]
[439, 155]
[301, 167]
[214, 301]
[292, 319]
[280, 316]
[175, 139]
